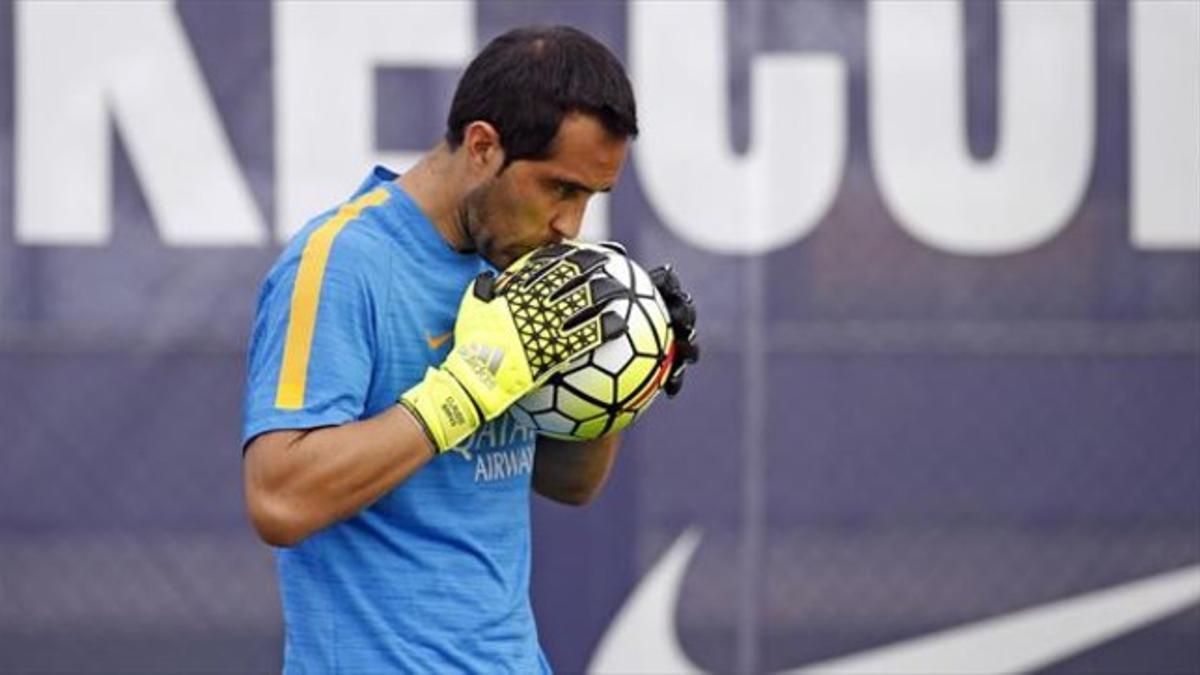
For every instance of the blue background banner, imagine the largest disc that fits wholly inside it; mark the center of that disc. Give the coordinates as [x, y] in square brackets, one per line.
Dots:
[939, 386]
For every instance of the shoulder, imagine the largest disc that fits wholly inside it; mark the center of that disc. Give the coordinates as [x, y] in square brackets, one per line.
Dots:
[346, 240]
[352, 229]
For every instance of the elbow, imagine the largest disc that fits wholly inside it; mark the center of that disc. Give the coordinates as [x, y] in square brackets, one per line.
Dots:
[577, 499]
[277, 523]
[581, 496]
[574, 495]
[278, 535]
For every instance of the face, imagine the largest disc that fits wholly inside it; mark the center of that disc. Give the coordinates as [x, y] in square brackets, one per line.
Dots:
[532, 203]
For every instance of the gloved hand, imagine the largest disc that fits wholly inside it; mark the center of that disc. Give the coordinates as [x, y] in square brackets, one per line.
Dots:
[683, 324]
[512, 333]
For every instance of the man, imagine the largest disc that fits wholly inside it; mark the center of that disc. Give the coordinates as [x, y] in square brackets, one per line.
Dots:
[393, 557]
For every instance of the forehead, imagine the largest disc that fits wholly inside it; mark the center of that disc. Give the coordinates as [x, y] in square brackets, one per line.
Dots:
[585, 152]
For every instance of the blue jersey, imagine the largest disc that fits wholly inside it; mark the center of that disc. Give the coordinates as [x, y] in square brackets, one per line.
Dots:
[434, 576]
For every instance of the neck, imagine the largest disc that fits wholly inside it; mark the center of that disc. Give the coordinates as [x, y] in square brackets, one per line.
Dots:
[434, 185]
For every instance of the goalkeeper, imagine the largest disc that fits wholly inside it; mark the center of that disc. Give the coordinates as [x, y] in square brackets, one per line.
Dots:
[386, 336]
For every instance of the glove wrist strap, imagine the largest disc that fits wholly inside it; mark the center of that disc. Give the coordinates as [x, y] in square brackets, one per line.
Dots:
[443, 407]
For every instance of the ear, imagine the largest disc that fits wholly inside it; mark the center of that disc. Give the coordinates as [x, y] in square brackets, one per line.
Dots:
[481, 142]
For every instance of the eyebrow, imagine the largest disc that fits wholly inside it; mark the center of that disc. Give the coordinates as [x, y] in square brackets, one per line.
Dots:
[580, 186]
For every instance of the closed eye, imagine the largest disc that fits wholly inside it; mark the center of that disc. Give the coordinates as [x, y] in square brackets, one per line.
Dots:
[565, 189]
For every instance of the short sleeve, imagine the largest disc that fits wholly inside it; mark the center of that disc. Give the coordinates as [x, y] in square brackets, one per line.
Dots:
[312, 347]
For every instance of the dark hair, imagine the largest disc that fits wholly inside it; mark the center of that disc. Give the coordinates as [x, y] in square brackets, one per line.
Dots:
[525, 81]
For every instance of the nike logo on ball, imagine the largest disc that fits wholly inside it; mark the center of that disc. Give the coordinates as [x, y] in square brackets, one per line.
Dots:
[435, 342]
[644, 639]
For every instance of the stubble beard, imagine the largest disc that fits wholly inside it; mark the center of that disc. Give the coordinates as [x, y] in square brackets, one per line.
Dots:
[476, 218]
[462, 222]
[473, 216]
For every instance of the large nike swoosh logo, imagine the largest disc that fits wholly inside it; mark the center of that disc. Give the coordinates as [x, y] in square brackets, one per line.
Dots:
[435, 342]
[643, 639]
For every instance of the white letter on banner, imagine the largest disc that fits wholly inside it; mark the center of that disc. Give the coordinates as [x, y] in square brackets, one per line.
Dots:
[779, 190]
[77, 63]
[1046, 124]
[1164, 92]
[325, 60]
[595, 219]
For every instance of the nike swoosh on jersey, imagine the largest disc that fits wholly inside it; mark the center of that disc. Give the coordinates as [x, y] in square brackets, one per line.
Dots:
[643, 637]
[435, 342]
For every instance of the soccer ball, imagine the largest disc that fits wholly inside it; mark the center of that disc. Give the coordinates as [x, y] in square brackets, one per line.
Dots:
[606, 389]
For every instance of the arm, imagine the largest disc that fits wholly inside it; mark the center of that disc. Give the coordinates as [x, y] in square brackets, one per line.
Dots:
[573, 472]
[300, 481]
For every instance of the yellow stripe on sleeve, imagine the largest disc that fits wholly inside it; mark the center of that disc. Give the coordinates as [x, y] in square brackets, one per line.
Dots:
[306, 297]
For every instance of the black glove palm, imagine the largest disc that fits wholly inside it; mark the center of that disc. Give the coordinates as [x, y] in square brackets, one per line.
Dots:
[683, 324]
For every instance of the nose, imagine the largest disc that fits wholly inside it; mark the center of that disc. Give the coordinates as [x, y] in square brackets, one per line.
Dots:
[568, 224]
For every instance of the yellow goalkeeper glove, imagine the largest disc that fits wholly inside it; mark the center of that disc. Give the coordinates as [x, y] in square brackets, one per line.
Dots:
[512, 333]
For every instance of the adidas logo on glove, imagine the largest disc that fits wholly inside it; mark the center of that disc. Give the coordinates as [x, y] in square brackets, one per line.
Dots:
[484, 360]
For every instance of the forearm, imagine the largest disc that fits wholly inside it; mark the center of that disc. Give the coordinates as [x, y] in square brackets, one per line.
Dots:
[573, 472]
[298, 482]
